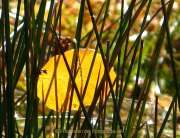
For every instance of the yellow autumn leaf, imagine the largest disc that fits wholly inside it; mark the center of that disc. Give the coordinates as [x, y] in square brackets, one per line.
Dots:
[54, 80]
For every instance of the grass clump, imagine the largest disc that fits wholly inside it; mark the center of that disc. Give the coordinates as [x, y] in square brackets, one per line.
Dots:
[136, 38]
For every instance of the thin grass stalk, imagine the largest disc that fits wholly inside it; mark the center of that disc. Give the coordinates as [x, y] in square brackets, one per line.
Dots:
[1, 104]
[149, 76]
[100, 107]
[4, 102]
[17, 132]
[147, 131]
[144, 25]
[47, 29]
[170, 49]
[39, 23]
[32, 11]
[94, 56]
[102, 125]
[159, 42]
[96, 49]
[122, 90]
[20, 61]
[42, 53]
[167, 116]
[128, 75]
[77, 46]
[9, 87]
[105, 94]
[156, 117]
[56, 92]
[147, 24]
[75, 70]
[106, 3]
[62, 118]
[77, 116]
[33, 50]
[28, 123]
[98, 123]
[129, 122]
[32, 114]
[99, 22]
[114, 124]
[136, 42]
[54, 26]
[90, 33]
[79, 24]
[45, 122]
[174, 119]
[16, 25]
[122, 29]
[103, 59]
[19, 49]
[87, 119]
[121, 40]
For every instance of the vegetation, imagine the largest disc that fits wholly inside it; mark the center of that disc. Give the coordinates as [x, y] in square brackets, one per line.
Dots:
[138, 38]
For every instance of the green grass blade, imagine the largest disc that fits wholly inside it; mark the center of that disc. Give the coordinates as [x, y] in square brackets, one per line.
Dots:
[171, 49]
[148, 78]
[9, 87]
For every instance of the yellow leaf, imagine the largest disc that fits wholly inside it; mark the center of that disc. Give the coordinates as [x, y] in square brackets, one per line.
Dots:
[53, 82]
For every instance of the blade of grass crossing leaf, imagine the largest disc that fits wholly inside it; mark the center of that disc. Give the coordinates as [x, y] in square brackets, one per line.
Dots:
[78, 39]
[57, 113]
[56, 92]
[106, 70]
[94, 56]
[76, 90]
[96, 49]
